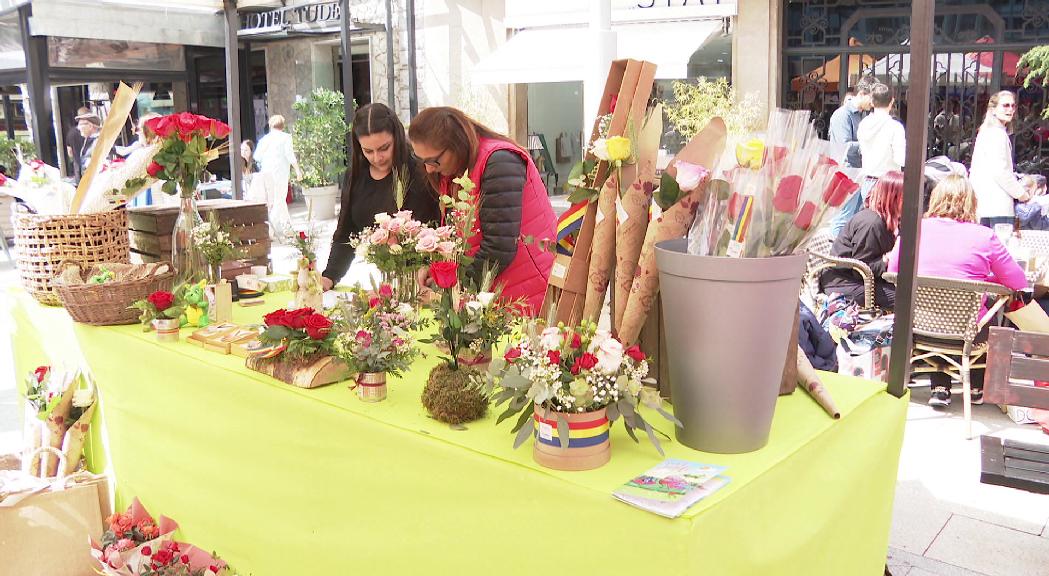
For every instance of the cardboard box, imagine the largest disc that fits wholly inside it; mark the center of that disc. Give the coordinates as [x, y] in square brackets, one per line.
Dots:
[208, 333]
[1018, 414]
[872, 364]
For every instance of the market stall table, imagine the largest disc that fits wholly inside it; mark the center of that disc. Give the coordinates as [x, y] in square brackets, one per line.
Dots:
[280, 480]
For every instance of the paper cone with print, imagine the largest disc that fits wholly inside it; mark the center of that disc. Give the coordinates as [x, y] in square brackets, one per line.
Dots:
[633, 213]
[73, 445]
[58, 423]
[603, 251]
[680, 210]
[809, 381]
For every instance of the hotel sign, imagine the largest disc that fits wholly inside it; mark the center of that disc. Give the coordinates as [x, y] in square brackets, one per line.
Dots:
[314, 17]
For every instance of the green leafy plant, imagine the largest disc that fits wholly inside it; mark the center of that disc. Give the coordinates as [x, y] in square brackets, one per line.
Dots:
[1036, 63]
[695, 103]
[9, 152]
[319, 137]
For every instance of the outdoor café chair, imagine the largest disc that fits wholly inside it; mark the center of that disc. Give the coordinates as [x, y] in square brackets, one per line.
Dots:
[1037, 241]
[1014, 361]
[820, 260]
[947, 322]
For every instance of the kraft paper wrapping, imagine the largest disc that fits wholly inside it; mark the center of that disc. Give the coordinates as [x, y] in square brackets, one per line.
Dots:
[123, 101]
[1030, 318]
[57, 424]
[73, 446]
[603, 251]
[674, 223]
[636, 202]
[810, 382]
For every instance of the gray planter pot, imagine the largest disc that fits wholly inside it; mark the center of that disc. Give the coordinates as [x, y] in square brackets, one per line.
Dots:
[728, 322]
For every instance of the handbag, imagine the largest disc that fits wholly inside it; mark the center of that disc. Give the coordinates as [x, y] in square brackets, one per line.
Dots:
[46, 526]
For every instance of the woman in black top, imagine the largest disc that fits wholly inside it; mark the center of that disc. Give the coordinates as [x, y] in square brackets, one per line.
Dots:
[869, 237]
[380, 155]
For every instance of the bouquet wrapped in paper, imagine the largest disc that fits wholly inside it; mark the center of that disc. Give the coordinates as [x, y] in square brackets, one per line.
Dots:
[134, 544]
[59, 408]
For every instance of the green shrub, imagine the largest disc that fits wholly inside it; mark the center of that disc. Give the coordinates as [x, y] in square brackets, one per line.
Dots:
[695, 103]
[319, 137]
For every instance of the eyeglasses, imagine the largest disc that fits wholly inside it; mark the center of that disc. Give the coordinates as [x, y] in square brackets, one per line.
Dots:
[1008, 105]
[435, 161]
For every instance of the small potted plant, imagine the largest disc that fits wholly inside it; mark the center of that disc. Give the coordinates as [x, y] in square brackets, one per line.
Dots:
[378, 340]
[568, 386]
[162, 310]
[319, 139]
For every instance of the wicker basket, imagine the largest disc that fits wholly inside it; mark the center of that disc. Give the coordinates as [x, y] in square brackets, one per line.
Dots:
[44, 242]
[107, 304]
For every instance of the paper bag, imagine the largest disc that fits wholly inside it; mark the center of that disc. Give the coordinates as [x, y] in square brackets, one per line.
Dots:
[1030, 318]
[48, 532]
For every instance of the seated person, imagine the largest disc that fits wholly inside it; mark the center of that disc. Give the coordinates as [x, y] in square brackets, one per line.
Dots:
[954, 245]
[868, 237]
[1033, 214]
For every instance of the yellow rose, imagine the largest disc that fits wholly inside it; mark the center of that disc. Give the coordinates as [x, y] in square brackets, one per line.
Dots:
[618, 148]
[750, 154]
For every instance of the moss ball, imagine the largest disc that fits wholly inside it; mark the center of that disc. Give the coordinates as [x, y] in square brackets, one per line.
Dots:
[451, 397]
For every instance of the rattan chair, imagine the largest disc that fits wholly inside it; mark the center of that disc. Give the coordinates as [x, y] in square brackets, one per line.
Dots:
[947, 320]
[1037, 241]
[821, 260]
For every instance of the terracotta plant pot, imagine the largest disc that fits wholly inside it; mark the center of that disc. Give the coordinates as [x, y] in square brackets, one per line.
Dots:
[588, 443]
[167, 329]
[371, 386]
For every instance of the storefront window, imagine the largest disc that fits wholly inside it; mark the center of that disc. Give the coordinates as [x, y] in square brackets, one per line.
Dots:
[11, 54]
[114, 54]
[555, 123]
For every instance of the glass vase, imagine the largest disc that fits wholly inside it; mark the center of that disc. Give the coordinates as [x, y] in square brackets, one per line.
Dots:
[214, 273]
[187, 259]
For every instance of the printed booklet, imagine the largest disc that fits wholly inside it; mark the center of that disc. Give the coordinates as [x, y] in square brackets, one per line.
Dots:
[672, 486]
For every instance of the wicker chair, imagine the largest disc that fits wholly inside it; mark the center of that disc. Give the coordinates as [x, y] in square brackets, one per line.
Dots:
[1037, 241]
[821, 260]
[946, 322]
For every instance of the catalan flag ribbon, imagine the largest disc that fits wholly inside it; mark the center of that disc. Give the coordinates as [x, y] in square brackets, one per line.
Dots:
[580, 434]
[568, 226]
[746, 212]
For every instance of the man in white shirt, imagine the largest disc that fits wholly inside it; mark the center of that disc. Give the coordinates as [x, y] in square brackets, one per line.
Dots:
[276, 157]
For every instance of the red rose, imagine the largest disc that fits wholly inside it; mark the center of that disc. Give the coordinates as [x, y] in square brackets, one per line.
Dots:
[386, 291]
[587, 361]
[219, 129]
[161, 300]
[787, 194]
[302, 235]
[276, 318]
[184, 558]
[187, 124]
[839, 188]
[635, 353]
[512, 354]
[41, 373]
[154, 169]
[554, 356]
[374, 302]
[804, 218]
[147, 551]
[445, 274]
[297, 318]
[162, 126]
[317, 326]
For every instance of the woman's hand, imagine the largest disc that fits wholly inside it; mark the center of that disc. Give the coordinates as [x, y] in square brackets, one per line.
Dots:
[422, 277]
[327, 283]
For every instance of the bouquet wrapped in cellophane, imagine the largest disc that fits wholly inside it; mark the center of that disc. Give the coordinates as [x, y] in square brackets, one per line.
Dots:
[778, 192]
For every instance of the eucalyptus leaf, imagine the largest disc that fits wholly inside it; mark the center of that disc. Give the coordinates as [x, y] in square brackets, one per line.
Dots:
[670, 417]
[562, 431]
[525, 417]
[630, 431]
[523, 434]
[652, 438]
[612, 411]
[506, 414]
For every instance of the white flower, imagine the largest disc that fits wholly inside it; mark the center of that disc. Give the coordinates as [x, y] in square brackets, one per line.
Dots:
[382, 218]
[600, 149]
[475, 306]
[550, 339]
[405, 309]
[609, 356]
[485, 298]
[362, 250]
[689, 175]
[83, 397]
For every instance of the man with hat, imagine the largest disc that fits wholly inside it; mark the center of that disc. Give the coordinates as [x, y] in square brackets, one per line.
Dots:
[88, 125]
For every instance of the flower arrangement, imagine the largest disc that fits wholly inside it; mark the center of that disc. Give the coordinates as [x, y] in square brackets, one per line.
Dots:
[40, 187]
[399, 246]
[161, 305]
[299, 334]
[564, 370]
[378, 338]
[44, 391]
[307, 282]
[63, 404]
[183, 151]
[214, 240]
[135, 544]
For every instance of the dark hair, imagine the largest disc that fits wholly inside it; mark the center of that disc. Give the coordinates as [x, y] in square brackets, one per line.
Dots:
[881, 96]
[377, 118]
[447, 128]
[249, 165]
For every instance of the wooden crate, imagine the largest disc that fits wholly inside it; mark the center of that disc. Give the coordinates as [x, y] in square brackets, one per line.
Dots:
[151, 228]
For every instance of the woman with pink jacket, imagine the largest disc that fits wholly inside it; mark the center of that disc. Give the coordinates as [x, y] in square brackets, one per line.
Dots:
[953, 245]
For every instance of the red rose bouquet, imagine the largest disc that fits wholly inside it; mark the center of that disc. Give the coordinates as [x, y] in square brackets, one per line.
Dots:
[565, 370]
[184, 149]
[299, 333]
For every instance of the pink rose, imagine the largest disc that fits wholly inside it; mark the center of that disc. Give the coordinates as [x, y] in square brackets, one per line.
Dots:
[426, 241]
[412, 226]
[446, 249]
[405, 215]
[445, 232]
[379, 236]
[395, 224]
[124, 544]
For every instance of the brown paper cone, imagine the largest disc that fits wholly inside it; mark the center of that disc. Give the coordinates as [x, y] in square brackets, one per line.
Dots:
[1030, 318]
[57, 425]
[673, 223]
[34, 432]
[603, 250]
[73, 446]
[809, 381]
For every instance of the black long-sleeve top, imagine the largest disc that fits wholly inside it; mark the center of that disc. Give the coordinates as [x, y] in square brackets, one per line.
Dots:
[367, 197]
[865, 237]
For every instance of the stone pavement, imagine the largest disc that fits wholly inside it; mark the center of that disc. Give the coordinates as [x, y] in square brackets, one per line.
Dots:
[945, 523]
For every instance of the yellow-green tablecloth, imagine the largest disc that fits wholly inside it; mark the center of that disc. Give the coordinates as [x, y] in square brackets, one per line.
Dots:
[285, 481]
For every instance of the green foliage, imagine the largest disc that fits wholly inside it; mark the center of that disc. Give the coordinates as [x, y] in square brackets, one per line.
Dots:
[8, 152]
[182, 162]
[319, 137]
[1036, 62]
[695, 103]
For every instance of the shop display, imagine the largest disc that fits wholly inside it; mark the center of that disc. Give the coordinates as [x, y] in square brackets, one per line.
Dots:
[102, 294]
[567, 386]
[59, 408]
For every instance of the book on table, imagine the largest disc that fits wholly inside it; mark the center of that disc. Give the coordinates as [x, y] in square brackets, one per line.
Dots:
[672, 486]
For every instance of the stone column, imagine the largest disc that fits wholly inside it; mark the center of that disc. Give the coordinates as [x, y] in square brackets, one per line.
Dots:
[756, 50]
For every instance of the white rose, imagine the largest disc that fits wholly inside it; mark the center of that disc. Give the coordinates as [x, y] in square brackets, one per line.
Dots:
[598, 338]
[382, 218]
[83, 397]
[550, 339]
[485, 298]
[405, 309]
[474, 306]
[600, 149]
[609, 356]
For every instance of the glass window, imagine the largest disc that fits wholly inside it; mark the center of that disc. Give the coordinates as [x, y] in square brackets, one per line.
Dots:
[555, 124]
[12, 56]
[119, 54]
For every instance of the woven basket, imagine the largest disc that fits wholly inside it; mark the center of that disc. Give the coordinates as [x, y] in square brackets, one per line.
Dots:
[108, 303]
[42, 243]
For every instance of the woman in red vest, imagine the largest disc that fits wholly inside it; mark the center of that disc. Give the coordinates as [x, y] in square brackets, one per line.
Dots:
[512, 200]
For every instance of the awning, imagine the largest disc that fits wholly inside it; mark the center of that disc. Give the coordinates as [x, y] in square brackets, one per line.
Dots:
[558, 54]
